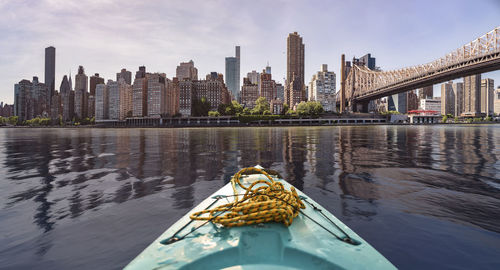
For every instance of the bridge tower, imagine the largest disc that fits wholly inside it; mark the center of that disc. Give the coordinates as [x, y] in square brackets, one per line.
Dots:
[342, 84]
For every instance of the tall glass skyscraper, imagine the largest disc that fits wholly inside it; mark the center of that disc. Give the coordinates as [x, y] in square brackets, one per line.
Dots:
[50, 71]
[233, 74]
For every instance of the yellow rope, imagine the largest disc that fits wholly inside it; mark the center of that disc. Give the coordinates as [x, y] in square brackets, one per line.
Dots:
[270, 202]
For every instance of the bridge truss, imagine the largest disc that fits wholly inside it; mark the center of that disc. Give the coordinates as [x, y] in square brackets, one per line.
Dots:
[480, 55]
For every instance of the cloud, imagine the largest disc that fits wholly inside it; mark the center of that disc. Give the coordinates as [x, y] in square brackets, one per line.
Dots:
[105, 36]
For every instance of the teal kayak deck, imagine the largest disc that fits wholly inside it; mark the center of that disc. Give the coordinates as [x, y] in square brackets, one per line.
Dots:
[302, 245]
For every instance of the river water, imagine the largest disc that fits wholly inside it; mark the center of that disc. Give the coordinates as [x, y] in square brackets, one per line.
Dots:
[424, 196]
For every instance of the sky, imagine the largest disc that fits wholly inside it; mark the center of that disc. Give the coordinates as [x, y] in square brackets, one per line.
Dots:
[105, 36]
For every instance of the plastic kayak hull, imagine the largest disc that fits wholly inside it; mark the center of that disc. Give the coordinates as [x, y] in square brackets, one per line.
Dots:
[303, 245]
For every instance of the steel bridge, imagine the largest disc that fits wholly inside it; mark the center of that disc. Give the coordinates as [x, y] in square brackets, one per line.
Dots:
[362, 84]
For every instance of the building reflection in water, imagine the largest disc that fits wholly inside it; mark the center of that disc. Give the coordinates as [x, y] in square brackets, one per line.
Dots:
[66, 172]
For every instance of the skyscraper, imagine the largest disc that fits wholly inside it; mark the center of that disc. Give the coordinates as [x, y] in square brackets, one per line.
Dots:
[95, 80]
[497, 101]
[233, 73]
[186, 70]
[447, 99]
[322, 88]
[295, 57]
[368, 61]
[458, 92]
[412, 100]
[23, 102]
[426, 92]
[81, 93]
[120, 99]
[67, 99]
[101, 102]
[472, 95]
[39, 98]
[295, 91]
[249, 93]
[268, 69]
[267, 87]
[157, 95]
[487, 96]
[398, 102]
[50, 71]
[140, 93]
[126, 75]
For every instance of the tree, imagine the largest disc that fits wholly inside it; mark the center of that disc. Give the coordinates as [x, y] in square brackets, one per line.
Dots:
[200, 107]
[445, 118]
[238, 108]
[285, 109]
[247, 111]
[13, 120]
[213, 114]
[310, 108]
[261, 105]
[222, 108]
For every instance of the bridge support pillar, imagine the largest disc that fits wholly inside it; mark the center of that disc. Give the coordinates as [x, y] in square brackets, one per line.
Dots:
[360, 106]
[342, 84]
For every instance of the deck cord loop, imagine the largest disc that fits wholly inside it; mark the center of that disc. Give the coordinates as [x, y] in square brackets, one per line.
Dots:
[250, 195]
[264, 201]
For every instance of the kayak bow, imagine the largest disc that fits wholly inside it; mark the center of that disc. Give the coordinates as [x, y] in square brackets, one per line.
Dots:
[234, 235]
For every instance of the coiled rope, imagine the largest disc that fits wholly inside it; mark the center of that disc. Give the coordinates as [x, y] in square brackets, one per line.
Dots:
[265, 203]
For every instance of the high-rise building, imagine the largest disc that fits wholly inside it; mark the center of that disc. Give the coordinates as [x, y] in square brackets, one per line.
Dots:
[254, 77]
[249, 93]
[233, 73]
[101, 102]
[6, 110]
[173, 96]
[398, 102]
[458, 92]
[120, 99]
[268, 69]
[95, 80]
[81, 93]
[472, 95]
[213, 89]
[426, 92]
[56, 106]
[487, 96]
[140, 93]
[367, 60]
[497, 101]
[50, 71]
[447, 99]
[157, 95]
[126, 75]
[186, 96]
[280, 91]
[67, 99]
[322, 88]
[295, 57]
[267, 87]
[23, 101]
[39, 98]
[431, 104]
[412, 100]
[186, 70]
[295, 88]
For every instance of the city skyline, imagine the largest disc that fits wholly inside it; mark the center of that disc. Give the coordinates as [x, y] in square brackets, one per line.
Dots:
[100, 48]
